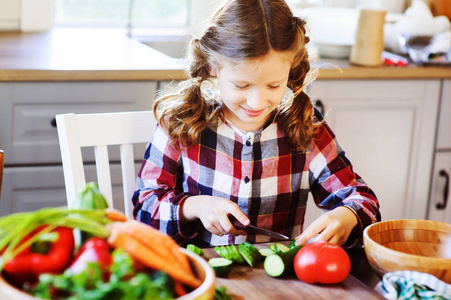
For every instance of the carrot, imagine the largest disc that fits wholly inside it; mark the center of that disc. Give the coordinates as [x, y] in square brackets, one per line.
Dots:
[149, 258]
[179, 289]
[167, 243]
[115, 215]
[157, 240]
[147, 237]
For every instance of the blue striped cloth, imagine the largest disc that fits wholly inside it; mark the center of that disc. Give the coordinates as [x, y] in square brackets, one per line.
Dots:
[413, 285]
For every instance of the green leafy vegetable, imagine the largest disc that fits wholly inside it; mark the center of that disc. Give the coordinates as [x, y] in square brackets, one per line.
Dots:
[91, 284]
[221, 294]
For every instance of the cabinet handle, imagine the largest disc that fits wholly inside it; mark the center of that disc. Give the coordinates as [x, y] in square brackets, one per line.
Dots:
[319, 105]
[445, 174]
[53, 122]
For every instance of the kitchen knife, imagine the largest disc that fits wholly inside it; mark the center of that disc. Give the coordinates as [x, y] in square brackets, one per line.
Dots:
[257, 230]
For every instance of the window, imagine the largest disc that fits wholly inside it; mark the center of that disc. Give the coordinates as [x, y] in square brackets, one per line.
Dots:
[116, 13]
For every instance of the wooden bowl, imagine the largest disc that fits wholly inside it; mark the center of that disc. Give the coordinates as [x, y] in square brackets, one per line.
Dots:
[416, 245]
[201, 268]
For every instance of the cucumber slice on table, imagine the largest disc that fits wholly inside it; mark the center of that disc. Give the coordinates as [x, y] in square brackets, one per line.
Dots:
[282, 247]
[280, 264]
[265, 252]
[221, 266]
[246, 254]
[195, 249]
[236, 256]
[254, 251]
[223, 252]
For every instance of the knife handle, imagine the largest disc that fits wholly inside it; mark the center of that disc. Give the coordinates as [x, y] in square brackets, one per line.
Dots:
[237, 224]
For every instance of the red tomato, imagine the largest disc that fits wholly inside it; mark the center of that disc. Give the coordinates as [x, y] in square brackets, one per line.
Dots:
[322, 262]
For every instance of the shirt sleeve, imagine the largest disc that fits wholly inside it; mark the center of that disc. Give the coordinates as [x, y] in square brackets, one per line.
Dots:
[159, 193]
[334, 183]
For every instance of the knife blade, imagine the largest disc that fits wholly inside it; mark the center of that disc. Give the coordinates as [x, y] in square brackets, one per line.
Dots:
[272, 234]
[257, 230]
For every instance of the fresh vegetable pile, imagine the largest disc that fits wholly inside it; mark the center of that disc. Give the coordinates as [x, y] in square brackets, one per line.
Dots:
[317, 262]
[91, 252]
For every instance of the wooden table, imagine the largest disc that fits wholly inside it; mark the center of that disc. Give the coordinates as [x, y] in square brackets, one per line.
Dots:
[245, 282]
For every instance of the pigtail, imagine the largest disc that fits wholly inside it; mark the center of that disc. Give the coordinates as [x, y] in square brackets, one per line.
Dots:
[185, 113]
[296, 114]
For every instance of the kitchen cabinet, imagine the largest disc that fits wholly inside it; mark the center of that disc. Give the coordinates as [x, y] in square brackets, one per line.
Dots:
[439, 206]
[387, 129]
[33, 175]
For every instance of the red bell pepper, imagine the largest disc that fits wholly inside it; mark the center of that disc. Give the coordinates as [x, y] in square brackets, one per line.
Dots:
[95, 250]
[28, 265]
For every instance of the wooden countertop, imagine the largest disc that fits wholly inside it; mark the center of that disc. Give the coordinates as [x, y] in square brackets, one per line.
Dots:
[245, 282]
[103, 55]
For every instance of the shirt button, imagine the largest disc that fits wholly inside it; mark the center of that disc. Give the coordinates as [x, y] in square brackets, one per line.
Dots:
[246, 179]
[248, 143]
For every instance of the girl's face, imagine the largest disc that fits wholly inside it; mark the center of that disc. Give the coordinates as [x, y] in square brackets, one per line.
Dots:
[251, 90]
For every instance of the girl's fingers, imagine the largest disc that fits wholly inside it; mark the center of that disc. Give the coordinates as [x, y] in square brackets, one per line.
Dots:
[311, 232]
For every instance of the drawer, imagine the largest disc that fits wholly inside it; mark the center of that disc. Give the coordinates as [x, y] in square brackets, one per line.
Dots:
[32, 188]
[444, 127]
[28, 133]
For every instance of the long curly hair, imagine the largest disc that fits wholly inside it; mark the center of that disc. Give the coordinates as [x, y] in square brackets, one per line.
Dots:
[240, 30]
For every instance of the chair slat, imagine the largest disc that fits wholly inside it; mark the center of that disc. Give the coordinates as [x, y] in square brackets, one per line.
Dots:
[71, 155]
[103, 173]
[128, 176]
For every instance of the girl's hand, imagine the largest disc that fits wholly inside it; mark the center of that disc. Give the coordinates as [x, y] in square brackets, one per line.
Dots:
[334, 226]
[213, 212]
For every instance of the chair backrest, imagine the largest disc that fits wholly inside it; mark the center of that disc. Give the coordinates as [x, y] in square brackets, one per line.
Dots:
[99, 131]
[2, 161]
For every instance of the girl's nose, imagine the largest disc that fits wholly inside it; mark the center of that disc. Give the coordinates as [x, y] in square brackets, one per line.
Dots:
[256, 100]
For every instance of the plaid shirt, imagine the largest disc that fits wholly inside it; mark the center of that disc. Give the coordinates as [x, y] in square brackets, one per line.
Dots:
[260, 172]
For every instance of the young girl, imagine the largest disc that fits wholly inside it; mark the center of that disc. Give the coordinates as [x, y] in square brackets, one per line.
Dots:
[241, 145]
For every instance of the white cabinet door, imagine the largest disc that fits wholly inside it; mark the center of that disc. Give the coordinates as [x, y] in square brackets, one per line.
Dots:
[27, 134]
[440, 206]
[387, 129]
[444, 127]
[33, 173]
[32, 188]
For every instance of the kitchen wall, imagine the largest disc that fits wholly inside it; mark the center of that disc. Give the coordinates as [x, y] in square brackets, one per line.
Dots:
[26, 15]
[9, 14]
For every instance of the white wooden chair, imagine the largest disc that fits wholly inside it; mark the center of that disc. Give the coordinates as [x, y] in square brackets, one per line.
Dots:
[99, 131]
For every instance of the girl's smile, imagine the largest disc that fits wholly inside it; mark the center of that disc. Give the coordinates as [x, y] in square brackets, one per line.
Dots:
[252, 90]
[252, 113]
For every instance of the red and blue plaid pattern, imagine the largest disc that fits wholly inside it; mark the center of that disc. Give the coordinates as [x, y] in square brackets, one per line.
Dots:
[260, 172]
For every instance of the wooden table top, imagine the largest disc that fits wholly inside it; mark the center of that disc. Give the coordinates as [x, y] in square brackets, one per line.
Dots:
[245, 282]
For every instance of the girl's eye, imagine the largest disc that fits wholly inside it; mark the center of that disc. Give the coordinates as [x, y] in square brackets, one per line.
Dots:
[240, 87]
[273, 87]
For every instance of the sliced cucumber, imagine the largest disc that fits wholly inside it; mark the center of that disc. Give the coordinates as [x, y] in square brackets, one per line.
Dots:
[265, 252]
[236, 256]
[282, 247]
[254, 251]
[221, 266]
[223, 252]
[292, 244]
[274, 265]
[195, 249]
[280, 264]
[274, 248]
[246, 254]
